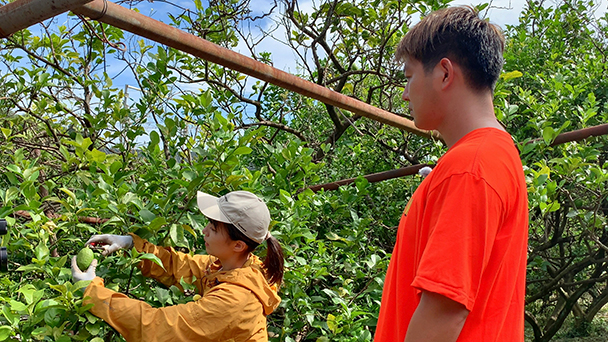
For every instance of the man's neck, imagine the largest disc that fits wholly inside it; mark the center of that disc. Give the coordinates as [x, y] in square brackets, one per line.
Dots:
[470, 112]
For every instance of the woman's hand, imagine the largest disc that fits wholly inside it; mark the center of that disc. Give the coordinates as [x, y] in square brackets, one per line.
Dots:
[79, 275]
[110, 243]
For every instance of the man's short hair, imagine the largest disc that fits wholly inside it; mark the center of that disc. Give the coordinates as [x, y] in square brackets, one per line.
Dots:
[459, 34]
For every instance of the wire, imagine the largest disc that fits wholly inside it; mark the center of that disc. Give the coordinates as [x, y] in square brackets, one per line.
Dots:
[103, 11]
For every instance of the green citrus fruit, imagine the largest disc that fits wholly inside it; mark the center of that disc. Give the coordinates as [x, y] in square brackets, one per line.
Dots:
[84, 258]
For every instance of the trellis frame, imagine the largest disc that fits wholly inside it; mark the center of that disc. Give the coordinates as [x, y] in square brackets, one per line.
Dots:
[24, 13]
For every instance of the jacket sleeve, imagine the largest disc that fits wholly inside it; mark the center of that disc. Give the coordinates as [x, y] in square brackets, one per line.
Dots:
[177, 264]
[227, 313]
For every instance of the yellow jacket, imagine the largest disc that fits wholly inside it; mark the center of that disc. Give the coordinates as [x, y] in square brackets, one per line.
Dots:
[233, 306]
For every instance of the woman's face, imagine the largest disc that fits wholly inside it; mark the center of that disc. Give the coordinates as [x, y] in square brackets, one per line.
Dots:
[217, 241]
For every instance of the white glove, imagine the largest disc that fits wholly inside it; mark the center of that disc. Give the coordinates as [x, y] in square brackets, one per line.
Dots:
[111, 243]
[79, 275]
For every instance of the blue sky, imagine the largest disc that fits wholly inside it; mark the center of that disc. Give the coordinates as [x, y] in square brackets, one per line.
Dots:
[501, 12]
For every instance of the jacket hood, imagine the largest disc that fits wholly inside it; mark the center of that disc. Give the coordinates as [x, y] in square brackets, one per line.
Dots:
[252, 277]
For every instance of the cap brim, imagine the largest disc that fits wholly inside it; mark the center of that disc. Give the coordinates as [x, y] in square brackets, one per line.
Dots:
[209, 207]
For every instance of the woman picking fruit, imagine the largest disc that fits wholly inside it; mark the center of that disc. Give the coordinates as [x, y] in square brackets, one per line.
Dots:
[237, 289]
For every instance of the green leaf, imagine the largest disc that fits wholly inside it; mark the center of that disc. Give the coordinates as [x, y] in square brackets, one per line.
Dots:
[40, 331]
[6, 132]
[285, 198]
[5, 332]
[61, 261]
[80, 285]
[511, 75]
[153, 258]
[163, 296]
[42, 251]
[549, 135]
[572, 213]
[194, 223]
[189, 229]
[12, 318]
[242, 150]
[69, 193]
[53, 316]
[17, 306]
[46, 304]
[16, 169]
[91, 318]
[154, 139]
[62, 288]
[189, 175]
[372, 261]
[147, 215]
[331, 323]
[233, 180]
[92, 328]
[30, 293]
[554, 206]
[11, 193]
[157, 223]
[334, 237]
[177, 235]
[83, 143]
[96, 156]
[129, 198]
[30, 267]
[365, 336]
[43, 78]
[115, 167]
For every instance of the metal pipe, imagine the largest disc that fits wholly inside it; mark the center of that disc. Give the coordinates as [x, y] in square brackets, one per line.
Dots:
[142, 25]
[372, 178]
[562, 138]
[577, 135]
[20, 14]
[580, 134]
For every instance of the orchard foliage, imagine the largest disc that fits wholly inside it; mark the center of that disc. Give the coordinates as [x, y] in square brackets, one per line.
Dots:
[81, 156]
[561, 53]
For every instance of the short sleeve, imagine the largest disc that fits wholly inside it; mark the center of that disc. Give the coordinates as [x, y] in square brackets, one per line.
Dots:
[461, 218]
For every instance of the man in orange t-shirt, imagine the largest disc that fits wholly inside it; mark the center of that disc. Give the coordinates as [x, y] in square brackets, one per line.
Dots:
[458, 268]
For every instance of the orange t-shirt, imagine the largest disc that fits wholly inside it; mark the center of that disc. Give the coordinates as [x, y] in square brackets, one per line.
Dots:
[464, 235]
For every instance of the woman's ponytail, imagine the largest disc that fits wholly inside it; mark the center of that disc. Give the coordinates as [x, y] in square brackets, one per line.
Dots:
[274, 262]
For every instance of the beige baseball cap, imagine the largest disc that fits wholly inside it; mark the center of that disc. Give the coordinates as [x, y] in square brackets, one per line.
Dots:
[246, 211]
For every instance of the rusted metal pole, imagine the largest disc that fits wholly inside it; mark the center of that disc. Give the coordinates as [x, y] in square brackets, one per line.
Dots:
[372, 178]
[20, 14]
[139, 24]
[580, 134]
[563, 138]
[23, 13]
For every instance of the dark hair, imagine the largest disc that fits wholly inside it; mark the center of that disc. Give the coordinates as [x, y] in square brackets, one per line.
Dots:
[460, 35]
[274, 261]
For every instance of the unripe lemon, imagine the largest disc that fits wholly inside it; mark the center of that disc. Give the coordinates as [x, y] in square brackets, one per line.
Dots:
[84, 258]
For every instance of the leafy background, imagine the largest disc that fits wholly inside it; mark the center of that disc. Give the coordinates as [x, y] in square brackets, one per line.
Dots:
[81, 157]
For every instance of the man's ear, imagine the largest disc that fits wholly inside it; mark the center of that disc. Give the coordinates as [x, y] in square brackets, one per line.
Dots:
[445, 69]
[239, 246]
